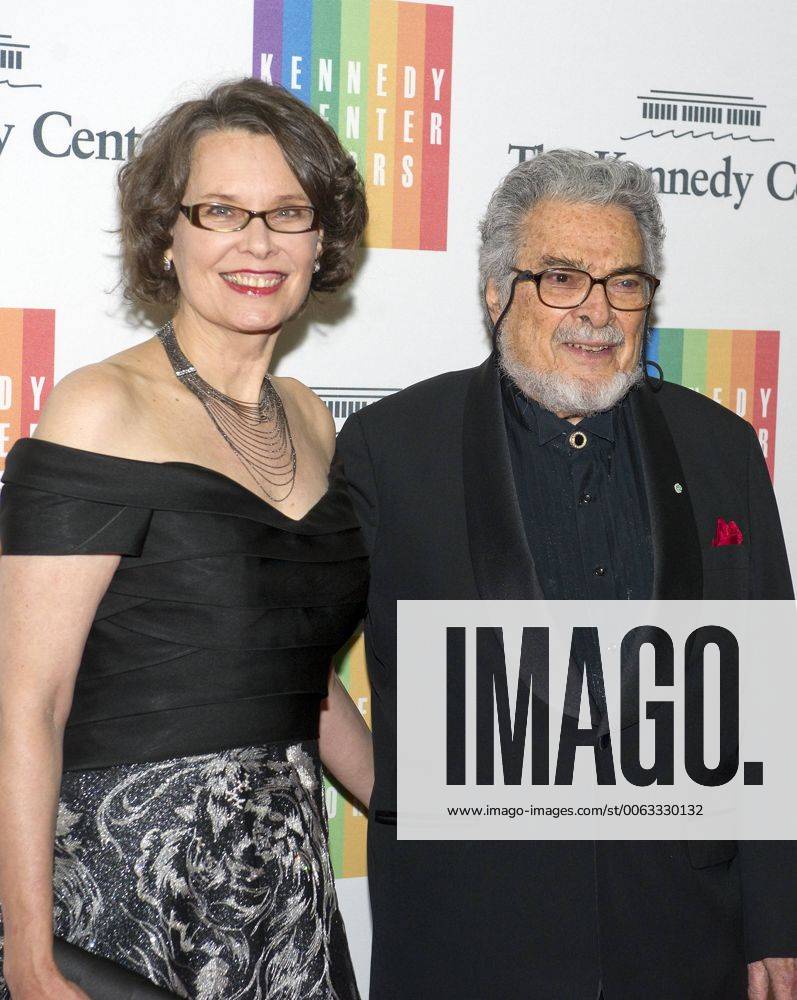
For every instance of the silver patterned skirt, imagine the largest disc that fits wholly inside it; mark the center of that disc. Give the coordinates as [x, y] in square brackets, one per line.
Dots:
[209, 875]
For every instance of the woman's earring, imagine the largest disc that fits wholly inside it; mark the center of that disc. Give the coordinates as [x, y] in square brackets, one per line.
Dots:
[167, 263]
[316, 267]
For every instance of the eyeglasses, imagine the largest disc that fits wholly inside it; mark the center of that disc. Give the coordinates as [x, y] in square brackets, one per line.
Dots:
[567, 287]
[231, 218]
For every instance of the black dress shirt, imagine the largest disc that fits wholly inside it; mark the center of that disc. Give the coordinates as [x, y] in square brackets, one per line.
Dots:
[582, 500]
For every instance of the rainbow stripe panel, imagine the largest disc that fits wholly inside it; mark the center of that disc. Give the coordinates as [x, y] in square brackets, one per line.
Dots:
[347, 825]
[380, 72]
[26, 371]
[738, 368]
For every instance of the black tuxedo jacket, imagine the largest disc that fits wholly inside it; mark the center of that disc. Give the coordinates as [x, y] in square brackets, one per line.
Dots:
[430, 475]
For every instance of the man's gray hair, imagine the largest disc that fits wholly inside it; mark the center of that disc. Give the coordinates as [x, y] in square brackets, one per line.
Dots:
[567, 175]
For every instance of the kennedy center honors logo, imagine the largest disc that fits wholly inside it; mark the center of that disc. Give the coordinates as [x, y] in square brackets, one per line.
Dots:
[380, 73]
[26, 371]
[738, 368]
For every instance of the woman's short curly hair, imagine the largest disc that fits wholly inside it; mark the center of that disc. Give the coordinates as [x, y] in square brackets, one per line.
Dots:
[152, 183]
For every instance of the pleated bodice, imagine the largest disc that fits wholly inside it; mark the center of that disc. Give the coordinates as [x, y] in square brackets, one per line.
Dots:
[219, 624]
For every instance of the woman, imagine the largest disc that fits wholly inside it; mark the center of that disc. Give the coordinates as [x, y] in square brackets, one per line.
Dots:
[181, 563]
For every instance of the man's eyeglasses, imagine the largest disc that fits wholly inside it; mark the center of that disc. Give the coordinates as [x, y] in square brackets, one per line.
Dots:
[231, 218]
[567, 287]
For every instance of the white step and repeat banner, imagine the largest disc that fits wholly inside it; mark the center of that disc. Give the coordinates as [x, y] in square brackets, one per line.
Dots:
[437, 101]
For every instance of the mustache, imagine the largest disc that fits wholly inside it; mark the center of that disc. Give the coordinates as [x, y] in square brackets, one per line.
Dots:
[609, 334]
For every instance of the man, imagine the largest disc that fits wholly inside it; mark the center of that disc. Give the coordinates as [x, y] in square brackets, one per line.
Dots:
[553, 470]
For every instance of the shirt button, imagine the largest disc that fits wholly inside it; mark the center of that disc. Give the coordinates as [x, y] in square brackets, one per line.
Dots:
[599, 571]
[578, 440]
[586, 498]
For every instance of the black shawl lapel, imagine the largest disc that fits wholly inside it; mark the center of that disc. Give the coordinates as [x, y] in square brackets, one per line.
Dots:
[677, 563]
[502, 562]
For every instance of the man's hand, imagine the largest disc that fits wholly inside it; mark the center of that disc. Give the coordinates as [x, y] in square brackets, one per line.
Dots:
[772, 979]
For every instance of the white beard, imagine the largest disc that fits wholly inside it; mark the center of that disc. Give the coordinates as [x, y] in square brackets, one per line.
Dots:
[569, 394]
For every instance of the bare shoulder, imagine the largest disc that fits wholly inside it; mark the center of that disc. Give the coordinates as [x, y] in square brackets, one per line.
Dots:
[96, 407]
[315, 415]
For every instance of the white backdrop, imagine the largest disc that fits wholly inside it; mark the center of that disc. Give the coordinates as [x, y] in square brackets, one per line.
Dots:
[524, 74]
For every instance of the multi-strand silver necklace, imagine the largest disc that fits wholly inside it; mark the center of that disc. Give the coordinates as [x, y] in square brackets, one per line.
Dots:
[258, 433]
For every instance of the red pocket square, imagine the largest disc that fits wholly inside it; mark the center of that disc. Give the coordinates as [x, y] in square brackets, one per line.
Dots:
[727, 533]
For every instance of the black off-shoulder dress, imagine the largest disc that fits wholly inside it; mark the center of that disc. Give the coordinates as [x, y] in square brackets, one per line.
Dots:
[191, 842]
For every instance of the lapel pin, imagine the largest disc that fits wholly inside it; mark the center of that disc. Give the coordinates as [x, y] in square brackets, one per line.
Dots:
[678, 488]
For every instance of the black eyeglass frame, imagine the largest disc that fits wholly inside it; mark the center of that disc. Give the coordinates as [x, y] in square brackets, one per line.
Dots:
[191, 213]
[536, 276]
